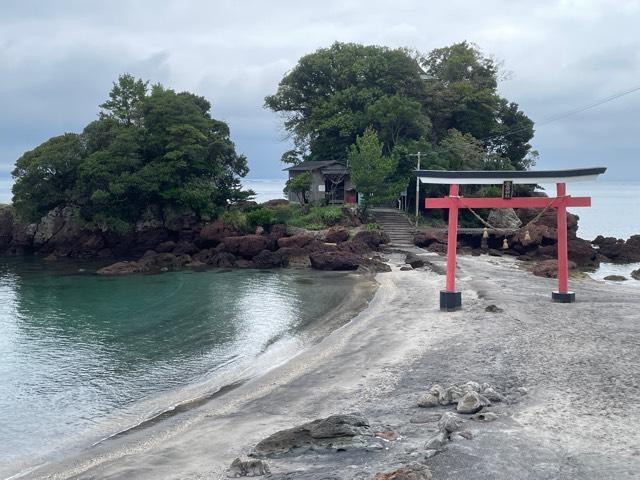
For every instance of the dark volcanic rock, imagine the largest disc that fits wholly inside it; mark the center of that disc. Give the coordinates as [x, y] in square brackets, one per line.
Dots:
[298, 240]
[121, 268]
[581, 252]
[166, 247]
[549, 268]
[223, 260]
[213, 233]
[354, 247]
[6, 226]
[246, 246]
[268, 259]
[493, 309]
[636, 274]
[335, 261]
[430, 236]
[415, 261]
[184, 247]
[618, 250]
[337, 235]
[373, 238]
[334, 433]
[616, 278]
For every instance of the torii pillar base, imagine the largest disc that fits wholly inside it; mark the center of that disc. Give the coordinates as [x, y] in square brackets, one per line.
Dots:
[563, 297]
[450, 301]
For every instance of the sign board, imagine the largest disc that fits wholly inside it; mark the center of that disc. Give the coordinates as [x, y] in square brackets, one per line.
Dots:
[321, 188]
[507, 190]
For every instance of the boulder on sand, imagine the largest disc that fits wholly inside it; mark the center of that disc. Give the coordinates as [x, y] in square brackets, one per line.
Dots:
[334, 433]
[549, 268]
[472, 402]
[248, 467]
[414, 471]
[429, 236]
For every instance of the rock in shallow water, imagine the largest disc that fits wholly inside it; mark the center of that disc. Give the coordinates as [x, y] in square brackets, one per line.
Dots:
[616, 278]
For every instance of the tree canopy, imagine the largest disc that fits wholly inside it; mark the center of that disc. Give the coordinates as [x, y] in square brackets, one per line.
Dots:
[371, 170]
[149, 147]
[435, 102]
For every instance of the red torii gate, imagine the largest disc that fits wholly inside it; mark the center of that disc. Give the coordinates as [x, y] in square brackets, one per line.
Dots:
[450, 299]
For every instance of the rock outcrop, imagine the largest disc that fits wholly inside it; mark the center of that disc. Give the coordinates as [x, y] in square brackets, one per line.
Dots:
[168, 240]
[549, 268]
[334, 433]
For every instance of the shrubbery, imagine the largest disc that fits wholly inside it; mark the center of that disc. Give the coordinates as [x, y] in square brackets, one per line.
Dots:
[246, 219]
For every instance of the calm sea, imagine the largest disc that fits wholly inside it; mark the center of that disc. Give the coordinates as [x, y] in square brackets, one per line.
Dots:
[83, 357]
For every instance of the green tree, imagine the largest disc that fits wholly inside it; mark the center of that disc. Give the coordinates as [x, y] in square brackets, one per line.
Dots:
[163, 150]
[45, 176]
[125, 99]
[371, 170]
[334, 94]
[300, 185]
[462, 95]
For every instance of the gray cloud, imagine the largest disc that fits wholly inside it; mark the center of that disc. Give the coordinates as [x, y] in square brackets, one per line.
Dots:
[58, 59]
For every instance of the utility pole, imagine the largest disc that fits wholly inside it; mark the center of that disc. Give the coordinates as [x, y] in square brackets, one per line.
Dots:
[419, 155]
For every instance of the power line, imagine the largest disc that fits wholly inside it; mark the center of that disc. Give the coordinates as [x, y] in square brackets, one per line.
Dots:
[560, 116]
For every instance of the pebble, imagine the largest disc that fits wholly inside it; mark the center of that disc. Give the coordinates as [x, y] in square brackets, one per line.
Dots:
[484, 417]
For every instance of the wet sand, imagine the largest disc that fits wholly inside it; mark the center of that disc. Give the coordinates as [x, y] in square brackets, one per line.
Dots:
[579, 364]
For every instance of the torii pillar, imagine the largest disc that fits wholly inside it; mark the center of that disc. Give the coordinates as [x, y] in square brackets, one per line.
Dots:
[450, 298]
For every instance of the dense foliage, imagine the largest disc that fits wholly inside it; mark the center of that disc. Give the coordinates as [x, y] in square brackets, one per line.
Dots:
[300, 185]
[371, 170]
[149, 147]
[245, 218]
[444, 103]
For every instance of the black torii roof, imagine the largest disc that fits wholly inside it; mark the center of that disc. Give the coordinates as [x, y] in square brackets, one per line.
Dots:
[515, 176]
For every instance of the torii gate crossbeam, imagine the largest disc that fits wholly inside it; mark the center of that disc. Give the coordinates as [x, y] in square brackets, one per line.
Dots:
[450, 299]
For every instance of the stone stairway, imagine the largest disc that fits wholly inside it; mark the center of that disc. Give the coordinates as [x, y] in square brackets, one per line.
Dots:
[396, 224]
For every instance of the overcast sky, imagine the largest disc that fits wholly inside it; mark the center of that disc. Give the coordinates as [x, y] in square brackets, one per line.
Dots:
[58, 59]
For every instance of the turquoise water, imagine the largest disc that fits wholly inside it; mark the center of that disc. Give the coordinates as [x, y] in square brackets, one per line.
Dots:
[83, 357]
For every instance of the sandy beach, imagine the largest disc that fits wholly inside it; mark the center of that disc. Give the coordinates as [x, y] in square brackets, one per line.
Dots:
[570, 375]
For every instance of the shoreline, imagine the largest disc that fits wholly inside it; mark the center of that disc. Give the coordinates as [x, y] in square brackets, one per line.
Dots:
[277, 352]
[564, 357]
